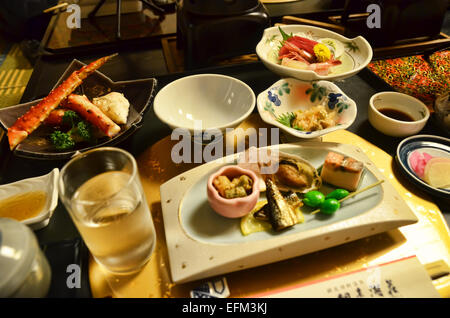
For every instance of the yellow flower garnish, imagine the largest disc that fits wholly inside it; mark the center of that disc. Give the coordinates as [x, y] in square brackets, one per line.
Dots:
[322, 52]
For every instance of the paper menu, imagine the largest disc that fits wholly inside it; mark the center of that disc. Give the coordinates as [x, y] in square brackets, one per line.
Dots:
[403, 278]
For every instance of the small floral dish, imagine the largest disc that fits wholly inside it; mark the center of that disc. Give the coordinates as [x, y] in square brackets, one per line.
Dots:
[284, 102]
[236, 207]
[352, 55]
[46, 184]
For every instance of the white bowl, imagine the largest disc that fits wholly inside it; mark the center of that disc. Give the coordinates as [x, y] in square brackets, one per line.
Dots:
[358, 52]
[46, 183]
[289, 95]
[401, 102]
[203, 102]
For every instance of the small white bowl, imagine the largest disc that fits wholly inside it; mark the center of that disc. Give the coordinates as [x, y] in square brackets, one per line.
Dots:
[203, 102]
[289, 95]
[358, 52]
[401, 102]
[46, 183]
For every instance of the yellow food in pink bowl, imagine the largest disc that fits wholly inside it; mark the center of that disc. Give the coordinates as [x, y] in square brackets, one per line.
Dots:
[233, 191]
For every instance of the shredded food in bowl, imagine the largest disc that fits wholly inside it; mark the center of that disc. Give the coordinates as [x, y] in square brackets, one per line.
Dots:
[315, 118]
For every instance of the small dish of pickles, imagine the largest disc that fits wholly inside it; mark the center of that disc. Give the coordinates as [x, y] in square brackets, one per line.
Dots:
[30, 201]
[233, 191]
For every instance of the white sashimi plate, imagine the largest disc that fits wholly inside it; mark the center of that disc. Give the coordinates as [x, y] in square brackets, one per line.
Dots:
[202, 243]
[357, 53]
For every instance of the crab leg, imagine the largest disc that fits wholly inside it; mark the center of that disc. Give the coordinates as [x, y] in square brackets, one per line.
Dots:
[28, 122]
[55, 118]
[92, 114]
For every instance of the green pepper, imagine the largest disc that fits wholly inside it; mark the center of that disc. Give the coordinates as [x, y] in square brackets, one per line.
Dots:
[337, 194]
[329, 206]
[314, 198]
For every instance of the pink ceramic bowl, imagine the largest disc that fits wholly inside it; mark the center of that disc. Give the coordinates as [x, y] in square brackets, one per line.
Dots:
[232, 208]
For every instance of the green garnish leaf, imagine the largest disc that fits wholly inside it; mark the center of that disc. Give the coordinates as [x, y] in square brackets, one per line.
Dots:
[70, 118]
[84, 130]
[80, 131]
[61, 140]
[286, 119]
[284, 34]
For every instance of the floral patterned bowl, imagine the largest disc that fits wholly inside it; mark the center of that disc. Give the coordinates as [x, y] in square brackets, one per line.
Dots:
[357, 54]
[280, 101]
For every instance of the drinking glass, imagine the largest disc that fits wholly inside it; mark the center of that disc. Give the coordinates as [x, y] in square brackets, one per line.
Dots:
[103, 194]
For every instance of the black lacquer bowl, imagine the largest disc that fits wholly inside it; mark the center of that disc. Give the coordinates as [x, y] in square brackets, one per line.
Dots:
[140, 94]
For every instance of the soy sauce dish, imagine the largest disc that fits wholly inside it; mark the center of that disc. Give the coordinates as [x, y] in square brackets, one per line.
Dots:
[396, 114]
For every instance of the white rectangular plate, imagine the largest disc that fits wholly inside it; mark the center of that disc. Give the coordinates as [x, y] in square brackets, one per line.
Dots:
[202, 243]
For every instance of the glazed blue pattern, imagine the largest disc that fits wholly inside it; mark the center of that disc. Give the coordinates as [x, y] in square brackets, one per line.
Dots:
[337, 101]
[280, 90]
[333, 100]
[274, 98]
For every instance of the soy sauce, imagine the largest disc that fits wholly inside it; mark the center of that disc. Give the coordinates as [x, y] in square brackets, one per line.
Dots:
[396, 114]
